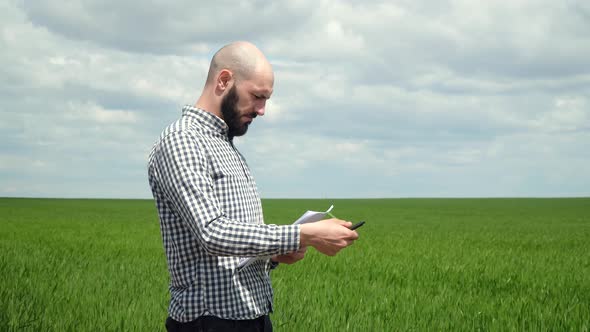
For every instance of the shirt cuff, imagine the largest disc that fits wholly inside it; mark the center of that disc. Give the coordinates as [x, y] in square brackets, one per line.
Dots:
[290, 237]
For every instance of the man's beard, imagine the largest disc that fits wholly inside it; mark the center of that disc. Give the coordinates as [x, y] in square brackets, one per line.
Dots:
[231, 115]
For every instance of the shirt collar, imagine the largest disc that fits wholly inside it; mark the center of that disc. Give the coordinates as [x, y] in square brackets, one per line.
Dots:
[206, 119]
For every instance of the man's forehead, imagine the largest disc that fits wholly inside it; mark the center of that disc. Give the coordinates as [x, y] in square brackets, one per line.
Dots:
[260, 84]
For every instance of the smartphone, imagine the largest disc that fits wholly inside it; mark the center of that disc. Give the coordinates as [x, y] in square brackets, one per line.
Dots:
[357, 225]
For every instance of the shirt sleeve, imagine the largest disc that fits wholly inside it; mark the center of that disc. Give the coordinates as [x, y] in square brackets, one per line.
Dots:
[184, 176]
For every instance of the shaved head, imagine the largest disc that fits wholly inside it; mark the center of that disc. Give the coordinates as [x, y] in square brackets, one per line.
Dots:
[243, 59]
[239, 82]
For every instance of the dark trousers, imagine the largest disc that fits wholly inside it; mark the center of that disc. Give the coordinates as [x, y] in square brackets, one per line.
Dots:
[215, 324]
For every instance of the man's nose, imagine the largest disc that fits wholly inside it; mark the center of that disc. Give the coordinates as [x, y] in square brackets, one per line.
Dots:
[260, 108]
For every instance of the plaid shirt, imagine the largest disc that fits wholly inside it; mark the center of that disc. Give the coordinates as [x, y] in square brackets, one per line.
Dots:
[211, 217]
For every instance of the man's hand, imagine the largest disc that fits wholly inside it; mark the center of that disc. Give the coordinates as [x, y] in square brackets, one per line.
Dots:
[290, 258]
[328, 236]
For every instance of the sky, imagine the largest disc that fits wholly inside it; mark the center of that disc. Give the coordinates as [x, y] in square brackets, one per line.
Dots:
[371, 98]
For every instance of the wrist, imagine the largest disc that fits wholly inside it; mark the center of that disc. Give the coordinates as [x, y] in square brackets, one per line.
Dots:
[305, 235]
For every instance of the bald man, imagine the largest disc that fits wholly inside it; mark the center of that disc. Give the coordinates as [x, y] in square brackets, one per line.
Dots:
[209, 208]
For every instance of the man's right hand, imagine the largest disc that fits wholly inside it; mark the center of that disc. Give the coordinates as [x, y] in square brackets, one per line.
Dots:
[327, 236]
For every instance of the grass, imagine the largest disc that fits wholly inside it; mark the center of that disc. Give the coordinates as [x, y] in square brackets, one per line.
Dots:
[421, 264]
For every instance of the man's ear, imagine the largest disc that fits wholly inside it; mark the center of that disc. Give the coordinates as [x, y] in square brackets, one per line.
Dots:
[224, 79]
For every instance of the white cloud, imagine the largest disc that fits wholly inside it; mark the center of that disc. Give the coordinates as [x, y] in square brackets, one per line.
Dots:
[569, 114]
[94, 113]
[372, 98]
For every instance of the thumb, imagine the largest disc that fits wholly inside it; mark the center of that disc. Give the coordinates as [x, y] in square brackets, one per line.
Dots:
[345, 223]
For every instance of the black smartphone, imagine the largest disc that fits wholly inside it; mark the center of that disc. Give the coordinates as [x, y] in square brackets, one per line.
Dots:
[357, 225]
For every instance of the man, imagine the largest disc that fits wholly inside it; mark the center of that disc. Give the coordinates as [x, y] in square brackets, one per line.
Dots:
[209, 208]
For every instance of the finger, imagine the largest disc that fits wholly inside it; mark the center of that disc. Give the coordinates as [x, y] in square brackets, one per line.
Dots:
[344, 223]
[297, 254]
[350, 236]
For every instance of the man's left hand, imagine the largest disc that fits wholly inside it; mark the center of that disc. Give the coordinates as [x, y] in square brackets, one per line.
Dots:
[290, 258]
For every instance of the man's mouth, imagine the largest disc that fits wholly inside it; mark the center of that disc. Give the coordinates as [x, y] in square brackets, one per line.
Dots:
[250, 118]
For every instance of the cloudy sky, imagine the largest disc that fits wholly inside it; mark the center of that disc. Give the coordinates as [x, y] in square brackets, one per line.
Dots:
[372, 99]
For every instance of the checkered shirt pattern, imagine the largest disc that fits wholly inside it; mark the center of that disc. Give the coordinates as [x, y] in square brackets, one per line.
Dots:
[211, 217]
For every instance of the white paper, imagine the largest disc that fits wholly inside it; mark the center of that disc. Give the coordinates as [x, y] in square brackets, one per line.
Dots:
[307, 217]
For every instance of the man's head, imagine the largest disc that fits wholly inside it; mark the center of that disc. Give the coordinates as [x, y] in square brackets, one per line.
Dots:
[239, 82]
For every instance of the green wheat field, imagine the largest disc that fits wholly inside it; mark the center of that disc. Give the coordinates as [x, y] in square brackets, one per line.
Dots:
[419, 265]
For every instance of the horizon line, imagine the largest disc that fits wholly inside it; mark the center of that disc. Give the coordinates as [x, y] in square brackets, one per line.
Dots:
[311, 198]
